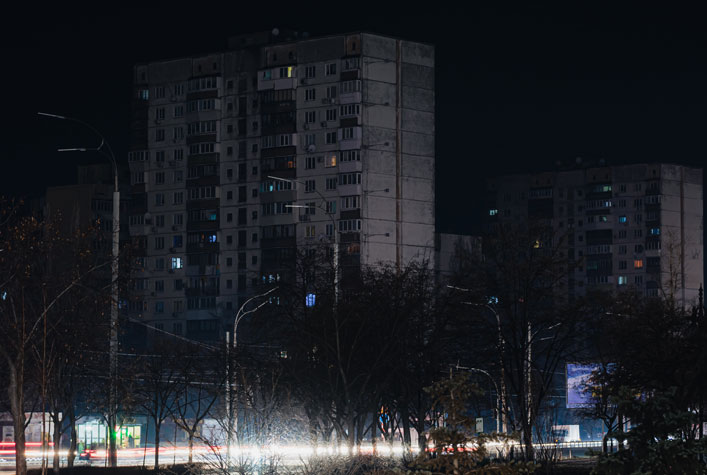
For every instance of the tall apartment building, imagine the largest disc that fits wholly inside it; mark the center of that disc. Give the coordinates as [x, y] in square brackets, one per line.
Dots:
[633, 225]
[344, 123]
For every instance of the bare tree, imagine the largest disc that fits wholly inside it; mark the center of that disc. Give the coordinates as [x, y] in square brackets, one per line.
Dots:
[39, 269]
[523, 280]
[157, 385]
[199, 385]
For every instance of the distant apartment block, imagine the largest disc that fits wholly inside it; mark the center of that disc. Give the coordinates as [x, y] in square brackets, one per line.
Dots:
[637, 226]
[240, 158]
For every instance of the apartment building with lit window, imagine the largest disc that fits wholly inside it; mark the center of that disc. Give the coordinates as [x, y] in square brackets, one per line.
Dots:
[638, 226]
[241, 157]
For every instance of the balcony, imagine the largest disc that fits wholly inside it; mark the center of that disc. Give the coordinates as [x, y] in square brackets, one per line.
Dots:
[202, 225]
[275, 84]
[205, 291]
[203, 159]
[203, 247]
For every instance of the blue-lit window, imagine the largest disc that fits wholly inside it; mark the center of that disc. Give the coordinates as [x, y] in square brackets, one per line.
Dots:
[655, 231]
[310, 300]
[623, 219]
[493, 212]
[177, 263]
[211, 238]
[623, 280]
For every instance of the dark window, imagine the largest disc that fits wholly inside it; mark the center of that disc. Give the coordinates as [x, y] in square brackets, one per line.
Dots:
[242, 194]
[242, 238]
[242, 216]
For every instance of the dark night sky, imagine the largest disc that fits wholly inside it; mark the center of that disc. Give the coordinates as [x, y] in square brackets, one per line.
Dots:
[519, 87]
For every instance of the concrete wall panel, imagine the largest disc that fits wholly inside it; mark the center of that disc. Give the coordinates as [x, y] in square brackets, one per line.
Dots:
[414, 75]
[418, 98]
[418, 53]
[418, 144]
[378, 46]
[320, 49]
[418, 189]
[379, 116]
[380, 93]
[418, 121]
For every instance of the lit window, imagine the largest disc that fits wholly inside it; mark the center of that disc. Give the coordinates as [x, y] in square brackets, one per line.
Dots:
[623, 219]
[638, 264]
[493, 212]
[655, 231]
[177, 263]
[623, 280]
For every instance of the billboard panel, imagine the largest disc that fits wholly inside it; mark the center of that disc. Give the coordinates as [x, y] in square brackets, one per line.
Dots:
[578, 395]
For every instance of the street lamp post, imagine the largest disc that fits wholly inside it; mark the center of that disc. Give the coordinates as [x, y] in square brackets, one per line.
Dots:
[231, 349]
[498, 394]
[501, 348]
[105, 149]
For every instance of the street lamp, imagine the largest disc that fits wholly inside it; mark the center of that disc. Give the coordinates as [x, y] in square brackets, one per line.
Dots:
[105, 149]
[240, 314]
[498, 394]
[501, 346]
[336, 233]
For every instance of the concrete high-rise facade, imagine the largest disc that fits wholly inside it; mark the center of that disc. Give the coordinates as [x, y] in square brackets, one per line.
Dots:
[637, 226]
[239, 158]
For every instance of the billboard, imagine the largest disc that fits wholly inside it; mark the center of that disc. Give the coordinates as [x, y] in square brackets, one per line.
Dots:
[578, 395]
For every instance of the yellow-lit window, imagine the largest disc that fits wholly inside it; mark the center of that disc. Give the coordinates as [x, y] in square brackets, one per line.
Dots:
[331, 160]
[638, 264]
[289, 71]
